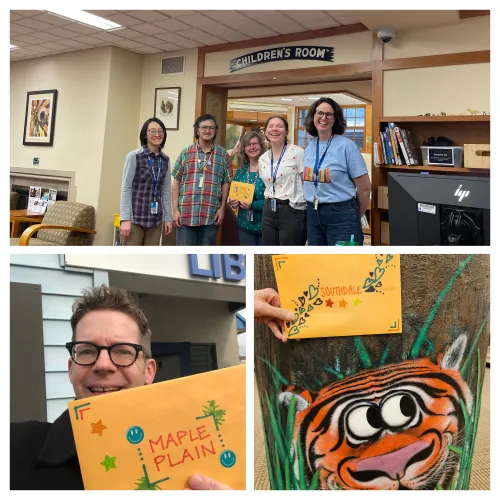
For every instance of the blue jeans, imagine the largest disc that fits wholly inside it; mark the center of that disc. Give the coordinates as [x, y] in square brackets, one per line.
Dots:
[249, 238]
[334, 222]
[196, 235]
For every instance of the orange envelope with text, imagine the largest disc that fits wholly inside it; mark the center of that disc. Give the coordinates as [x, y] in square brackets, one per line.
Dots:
[241, 191]
[154, 437]
[340, 295]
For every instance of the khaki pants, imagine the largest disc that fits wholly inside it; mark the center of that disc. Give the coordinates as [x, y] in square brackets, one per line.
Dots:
[142, 236]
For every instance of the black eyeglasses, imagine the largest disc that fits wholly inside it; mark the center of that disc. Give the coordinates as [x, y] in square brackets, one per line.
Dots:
[87, 353]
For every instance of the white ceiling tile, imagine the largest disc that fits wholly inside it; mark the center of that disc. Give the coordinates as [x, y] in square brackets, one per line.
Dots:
[128, 33]
[226, 16]
[148, 50]
[76, 44]
[211, 40]
[256, 30]
[197, 20]
[318, 24]
[148, 29]
[16, 29]
[129, 44]
[302, 15]
[54, 46]
[171, 25]
[170, 37]
[82, 29]
[13, 16]
[124, 19]
[149, 40]
[52, 19]
[286, 28]
[47, 37]
[343, 18]
[106, 37]
[89, 40]
[33, 23]
[188, 44]
[168, 47]
[226, 33]
[194, 34]
[19, 43]
[149, 16]
[177, 13]
[62, 32]
[33, 40]
[38, 48]
[27, 13]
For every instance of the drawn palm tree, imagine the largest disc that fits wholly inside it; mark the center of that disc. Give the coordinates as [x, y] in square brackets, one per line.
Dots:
[212, 411]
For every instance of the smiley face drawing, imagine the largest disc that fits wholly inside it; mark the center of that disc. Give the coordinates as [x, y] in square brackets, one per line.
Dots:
[135, 435]
[227, 459]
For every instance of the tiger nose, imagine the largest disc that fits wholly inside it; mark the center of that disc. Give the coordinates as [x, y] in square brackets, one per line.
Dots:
[393, 464]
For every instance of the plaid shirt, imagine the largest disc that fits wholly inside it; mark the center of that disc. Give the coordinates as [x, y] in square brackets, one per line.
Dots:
[198, 205]
[138, 189]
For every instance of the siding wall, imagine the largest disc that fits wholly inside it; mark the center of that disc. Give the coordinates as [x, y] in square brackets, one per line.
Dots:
[60, 287]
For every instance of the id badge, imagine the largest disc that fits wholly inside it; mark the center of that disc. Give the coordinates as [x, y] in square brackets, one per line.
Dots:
[273, 204]
[315, 203]
[202, 179]
[154, 208]
[250, 216]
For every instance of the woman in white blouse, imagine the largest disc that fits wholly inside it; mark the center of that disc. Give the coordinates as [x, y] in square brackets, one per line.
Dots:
[281, 168]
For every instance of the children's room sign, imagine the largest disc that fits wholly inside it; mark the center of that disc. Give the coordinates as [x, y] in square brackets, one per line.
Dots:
[340, 295]
[154, 437]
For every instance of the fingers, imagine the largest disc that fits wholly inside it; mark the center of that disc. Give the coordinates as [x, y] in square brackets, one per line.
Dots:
[275, 328]
[266, 309]
[201, 482]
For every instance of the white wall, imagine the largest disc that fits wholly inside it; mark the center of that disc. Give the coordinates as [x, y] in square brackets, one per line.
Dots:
[182, 320]
[152, 78]
[82, 79]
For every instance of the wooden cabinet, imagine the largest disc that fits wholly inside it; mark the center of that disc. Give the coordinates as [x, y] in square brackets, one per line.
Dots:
[469, 129]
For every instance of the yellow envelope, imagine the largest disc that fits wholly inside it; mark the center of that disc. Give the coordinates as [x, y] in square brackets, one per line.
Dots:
[242, 191]
[340, 295]
[156, 436]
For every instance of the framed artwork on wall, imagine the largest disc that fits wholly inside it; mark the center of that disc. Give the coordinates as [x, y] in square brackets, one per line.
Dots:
[167, 106]
[39, 118]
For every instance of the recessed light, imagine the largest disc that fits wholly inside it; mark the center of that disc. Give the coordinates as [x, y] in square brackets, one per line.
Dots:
[313, 98]
[13, 47]
[86, 18]
[286, 99]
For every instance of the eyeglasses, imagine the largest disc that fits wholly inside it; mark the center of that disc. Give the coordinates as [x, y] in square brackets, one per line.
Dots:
[156, 132]
[252, 144]
[206, 128]
[87, 353]
[320, 114]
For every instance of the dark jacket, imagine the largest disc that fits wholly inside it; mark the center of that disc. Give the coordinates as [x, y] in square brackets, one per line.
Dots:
[43, 456]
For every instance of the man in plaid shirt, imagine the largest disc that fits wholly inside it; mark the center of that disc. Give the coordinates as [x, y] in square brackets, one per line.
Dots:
[200, 187]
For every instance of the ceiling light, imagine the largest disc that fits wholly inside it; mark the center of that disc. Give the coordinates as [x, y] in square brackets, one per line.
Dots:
[313, 98]
[286, 99]
[86, 18]
[13, 47]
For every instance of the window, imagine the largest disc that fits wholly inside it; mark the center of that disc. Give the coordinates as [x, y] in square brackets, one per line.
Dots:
[356, 125]
[302, 138]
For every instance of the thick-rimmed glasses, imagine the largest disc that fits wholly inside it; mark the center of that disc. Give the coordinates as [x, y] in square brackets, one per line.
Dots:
[320, 114]
[206, 128]
[87, 353]
[251, 144]
[156, 132]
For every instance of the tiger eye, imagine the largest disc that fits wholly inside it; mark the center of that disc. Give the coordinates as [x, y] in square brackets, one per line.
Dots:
[407, 406]
[373, 417]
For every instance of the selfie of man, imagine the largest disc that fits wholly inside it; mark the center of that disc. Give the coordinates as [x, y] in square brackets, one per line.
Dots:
[116, 341]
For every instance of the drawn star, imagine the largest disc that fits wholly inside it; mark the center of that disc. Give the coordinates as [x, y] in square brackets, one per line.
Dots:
[329, 303]
[97, 428]
[342, 303]
[109, 463]
[356, 302]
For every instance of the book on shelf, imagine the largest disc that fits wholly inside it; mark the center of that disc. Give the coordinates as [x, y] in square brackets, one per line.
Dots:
[394, 143]
[398, 144]
[401, 145]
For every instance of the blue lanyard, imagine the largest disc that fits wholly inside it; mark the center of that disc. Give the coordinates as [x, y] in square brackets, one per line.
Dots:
[156, 176]
[274, 172]
[319, 161]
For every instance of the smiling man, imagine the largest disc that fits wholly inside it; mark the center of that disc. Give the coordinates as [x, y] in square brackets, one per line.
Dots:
[110, 351]
[200, 187]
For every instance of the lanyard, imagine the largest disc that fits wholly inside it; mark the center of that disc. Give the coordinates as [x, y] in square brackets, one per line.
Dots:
[274, 171]
[208, 157]
[255, 178]
[156, 176]
[319, 161]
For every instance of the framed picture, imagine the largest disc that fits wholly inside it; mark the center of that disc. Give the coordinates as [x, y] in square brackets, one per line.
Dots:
[39, 119]
[167, 106]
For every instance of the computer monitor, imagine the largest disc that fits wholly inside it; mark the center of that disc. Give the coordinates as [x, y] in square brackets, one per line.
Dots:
[427, 209]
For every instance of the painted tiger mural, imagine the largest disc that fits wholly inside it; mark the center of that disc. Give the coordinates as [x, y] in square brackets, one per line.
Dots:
[385, 428]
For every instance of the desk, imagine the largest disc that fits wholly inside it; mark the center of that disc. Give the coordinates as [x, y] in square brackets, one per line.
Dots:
[17, 216]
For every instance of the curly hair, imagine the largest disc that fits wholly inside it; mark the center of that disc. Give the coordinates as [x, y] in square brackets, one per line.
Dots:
[339, 123]
[112, 299]
[242, 156]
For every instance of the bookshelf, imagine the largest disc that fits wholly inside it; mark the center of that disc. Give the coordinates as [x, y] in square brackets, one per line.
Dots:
[464, 129]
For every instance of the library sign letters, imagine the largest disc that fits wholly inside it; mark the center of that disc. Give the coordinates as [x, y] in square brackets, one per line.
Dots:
[304, 52]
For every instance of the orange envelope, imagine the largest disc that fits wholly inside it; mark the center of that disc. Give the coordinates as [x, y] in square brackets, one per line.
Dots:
[154, 437]
[242, 191]
[340, 295]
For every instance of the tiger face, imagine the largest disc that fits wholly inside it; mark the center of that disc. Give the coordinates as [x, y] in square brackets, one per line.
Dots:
[387, 428]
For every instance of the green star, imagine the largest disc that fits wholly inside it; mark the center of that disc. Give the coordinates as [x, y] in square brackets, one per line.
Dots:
[109, 463]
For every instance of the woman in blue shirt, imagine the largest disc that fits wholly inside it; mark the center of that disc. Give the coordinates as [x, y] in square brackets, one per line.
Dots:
[336, 182]
[250, 214]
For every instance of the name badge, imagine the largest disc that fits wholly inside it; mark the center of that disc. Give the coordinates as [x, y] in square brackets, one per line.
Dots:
[154, 208]
[273, 204]
[202, 179]
[250, 216]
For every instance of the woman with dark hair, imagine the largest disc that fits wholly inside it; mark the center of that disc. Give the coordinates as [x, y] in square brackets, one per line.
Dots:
[250, 213]
[281, 168]
[146, 196]
[336, 183]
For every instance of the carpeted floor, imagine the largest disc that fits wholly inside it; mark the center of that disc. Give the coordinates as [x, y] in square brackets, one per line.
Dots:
[480, 475]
